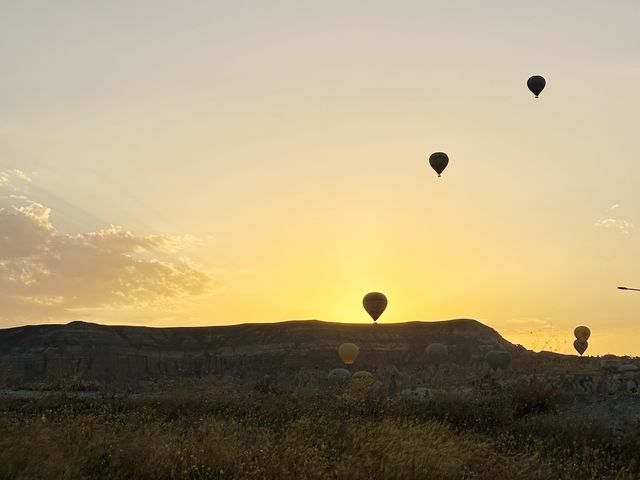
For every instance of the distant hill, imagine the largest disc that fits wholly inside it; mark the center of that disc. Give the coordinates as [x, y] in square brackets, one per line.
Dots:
[124, 353]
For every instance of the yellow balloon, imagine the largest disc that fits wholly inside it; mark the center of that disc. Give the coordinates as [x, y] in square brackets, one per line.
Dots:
[582, 333]
[348, 353]
[362, 378]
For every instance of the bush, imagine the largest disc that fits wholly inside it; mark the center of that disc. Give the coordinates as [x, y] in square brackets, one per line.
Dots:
[533, 396]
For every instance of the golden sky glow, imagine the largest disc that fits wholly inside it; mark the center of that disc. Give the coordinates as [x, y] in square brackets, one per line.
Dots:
[268, 161]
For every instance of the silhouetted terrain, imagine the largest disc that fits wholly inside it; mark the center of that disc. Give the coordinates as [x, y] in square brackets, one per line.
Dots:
[293, 354]
[99, 352]
[254, 401]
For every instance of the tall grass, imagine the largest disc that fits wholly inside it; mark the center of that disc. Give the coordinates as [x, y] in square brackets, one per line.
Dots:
[216, 432]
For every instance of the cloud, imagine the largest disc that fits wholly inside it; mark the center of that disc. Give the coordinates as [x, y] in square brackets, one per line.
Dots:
[529, 322]
[45, 273]
[9, 176]
[616, 223]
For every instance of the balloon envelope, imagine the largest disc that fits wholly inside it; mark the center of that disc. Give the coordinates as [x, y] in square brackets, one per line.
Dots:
[362, 378]
[609, 362]
[374, 303]
[582, 333]
[498, 359]
[339, 375]
[348, 353]
[439, 161]
[580, 346]
[536, 84]
[436, 351]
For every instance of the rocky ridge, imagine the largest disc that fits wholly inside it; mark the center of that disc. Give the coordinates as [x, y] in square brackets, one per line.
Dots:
[126, 353]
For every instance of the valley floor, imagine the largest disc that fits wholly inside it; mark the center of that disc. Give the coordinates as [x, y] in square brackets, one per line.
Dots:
[212, 431]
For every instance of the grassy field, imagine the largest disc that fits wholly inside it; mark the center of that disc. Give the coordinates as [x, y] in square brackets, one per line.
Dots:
[207, 430]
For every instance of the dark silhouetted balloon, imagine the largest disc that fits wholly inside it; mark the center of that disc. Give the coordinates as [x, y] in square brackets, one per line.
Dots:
[439, 162]
[498, 359]
[339, 375]
[582, 333]
[580, 346]
[536, 84]
[348, 353]
[374, 303]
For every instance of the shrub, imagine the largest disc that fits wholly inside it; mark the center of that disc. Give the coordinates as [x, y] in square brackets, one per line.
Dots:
[533, 396]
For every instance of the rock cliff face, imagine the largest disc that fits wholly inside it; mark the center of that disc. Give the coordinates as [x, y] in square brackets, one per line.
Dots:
[121, 353]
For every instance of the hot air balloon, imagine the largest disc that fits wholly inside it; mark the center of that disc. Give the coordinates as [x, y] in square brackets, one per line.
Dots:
[339, 375]
[582, 333]
[374, 303]
[580, 346]
[362, 375]
[436, 351]
[610, 363]
[536, 84]
[348, 353]
[439, 162]
[498, 359]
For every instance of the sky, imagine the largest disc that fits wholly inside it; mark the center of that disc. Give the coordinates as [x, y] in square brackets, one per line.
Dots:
[208, 163]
